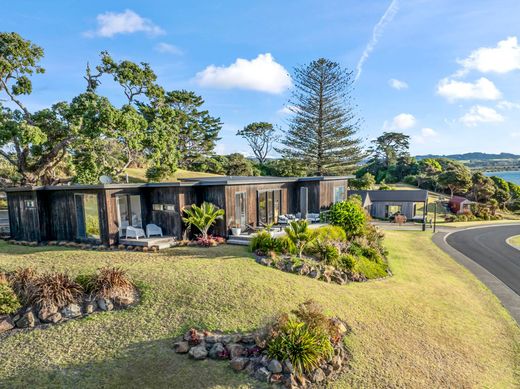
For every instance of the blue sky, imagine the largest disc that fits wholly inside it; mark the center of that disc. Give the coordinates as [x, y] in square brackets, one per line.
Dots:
[445, 72]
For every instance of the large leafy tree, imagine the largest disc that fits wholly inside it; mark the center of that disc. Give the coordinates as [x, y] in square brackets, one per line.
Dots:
[456, 177]
[322, 130]
[198, 130]
[389, 147]
[261, 137]
[482, 187]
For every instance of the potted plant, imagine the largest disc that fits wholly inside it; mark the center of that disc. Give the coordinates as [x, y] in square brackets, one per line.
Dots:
[236, 230]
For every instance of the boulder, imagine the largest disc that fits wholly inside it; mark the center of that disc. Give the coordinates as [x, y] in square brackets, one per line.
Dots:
[288, 367]
[314, 273]
[337, 362]
[105, 304]
[218, 351]
[248, 338]
[318, 376]
[91, 307]
[275, 366]
[71, 311]
[125, 301]
[198, 352]
[340, 326]
[239, 363]
[47, 311]
[263, 374]
[28, 320]
[276, 378]
[213, 338]
[6, 324]
[266, 261]
[235, 350]
[54, 318]
[181, 347]
[290, 382]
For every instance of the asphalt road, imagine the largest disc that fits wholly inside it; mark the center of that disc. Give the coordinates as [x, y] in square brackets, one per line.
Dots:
[487, 246]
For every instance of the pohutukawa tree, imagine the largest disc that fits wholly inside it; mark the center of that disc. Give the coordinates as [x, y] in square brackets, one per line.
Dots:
[261, 137]
[322, 130]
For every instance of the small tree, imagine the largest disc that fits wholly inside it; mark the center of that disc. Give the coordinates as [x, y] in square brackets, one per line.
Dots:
[202, 217]
[457, 179]
[366, 181]
[261, 137]
[348, 215]
[298, 233]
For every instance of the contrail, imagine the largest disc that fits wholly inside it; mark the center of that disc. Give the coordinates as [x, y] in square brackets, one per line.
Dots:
[376, 34]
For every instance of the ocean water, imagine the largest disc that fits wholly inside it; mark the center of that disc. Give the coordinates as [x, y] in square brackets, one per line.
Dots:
[513, 177]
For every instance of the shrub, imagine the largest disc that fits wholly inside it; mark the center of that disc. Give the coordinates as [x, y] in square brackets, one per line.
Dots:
[55, 289]
[348, 215]
[111, 282]
[85, 281]
[328, 253]
[311, 313]
[345, 262]
[299, 234]
[8, 301]
[330, 233]
[202, 217]
[263, 241]
[302, 345]
[370, 269]
[286, 245]
[22, 281]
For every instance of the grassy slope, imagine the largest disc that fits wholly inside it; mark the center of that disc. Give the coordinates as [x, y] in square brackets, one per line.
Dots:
[515, 240]
[430, 325]
[136, 175]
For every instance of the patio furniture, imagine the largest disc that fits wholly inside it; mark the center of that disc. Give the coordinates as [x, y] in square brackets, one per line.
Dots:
[153, 229]
[134, 232]
[313, 217]
[283, 219]
[252, 229]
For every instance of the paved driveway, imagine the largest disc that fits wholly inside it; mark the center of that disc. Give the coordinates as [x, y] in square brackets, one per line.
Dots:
[487, 246]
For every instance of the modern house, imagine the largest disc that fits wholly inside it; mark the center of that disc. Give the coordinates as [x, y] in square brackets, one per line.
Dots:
[101, 213]
[460, 205]
[382, 204]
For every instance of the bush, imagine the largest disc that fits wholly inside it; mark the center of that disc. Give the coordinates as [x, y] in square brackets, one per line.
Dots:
[345, 262]
[330, 233]
[22, 281]
[303, 346]
[348, 215]
[111, 282]
[85, 281]
[299, 234]
[264, 242]
[9, 303]
[285, 245]
[370, 269]
[55, 289]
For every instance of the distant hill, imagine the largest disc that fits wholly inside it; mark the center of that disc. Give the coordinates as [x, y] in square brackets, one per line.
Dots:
[472, 156]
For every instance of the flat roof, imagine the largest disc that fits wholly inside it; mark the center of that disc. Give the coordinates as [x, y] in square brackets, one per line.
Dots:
[193, 181]
[414, 195]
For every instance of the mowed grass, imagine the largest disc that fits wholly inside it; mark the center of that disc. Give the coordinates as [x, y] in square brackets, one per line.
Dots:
[431, 325]
[515, 240]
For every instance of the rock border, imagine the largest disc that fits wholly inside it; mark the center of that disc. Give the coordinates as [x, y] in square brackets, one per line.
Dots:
[247, 354]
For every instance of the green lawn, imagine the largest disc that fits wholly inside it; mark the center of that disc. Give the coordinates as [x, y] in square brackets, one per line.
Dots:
[515, 241]
[430, 325]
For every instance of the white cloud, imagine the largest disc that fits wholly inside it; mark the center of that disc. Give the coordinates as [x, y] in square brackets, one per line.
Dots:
[404, 121]
[397, 84]
[261, 74]
[167, 48]
[503, 58]
[288, 110]
[426, 134]
[377, 32]
[507, 105]
[127, 22]
[482, 89]
[480, 114]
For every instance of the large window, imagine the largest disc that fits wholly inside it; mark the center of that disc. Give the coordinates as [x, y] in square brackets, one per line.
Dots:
[128, 212]
[240, 210]
[87, 216]
[392, 210]
[339, 194]
[269, 206]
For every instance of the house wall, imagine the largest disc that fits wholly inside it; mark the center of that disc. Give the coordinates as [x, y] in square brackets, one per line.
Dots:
[327, 191]
[313, 195]
[24, 222]
[251, 190]
[378, 209]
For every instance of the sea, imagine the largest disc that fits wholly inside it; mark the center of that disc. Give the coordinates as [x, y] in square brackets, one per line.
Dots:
[512, 176]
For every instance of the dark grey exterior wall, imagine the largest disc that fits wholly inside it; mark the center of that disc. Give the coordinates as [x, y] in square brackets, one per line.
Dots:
[378, 209]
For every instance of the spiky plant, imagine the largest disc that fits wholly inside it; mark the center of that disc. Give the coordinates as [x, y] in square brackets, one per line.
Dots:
[111, 282]
[298, 232]
[55, 289]
[22, 281]
[202, 217]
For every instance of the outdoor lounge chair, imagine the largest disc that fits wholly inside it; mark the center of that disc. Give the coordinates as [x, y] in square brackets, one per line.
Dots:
[313, 217]
[153, 229]
[134, 232]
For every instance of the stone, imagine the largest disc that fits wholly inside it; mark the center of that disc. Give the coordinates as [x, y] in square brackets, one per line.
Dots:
[91, 307]
[194, 337]
[303, 269]
[337, 362]
[248, 338]
[325, 277]
[6, 324]
[218, 351]
[71, 311]
[340, 326]
[124, 301]
[318, 376]
[54, 318]
[181, 347]
[198, 352]
[213, 338]
[239, 363]
[290, 382]
[314, 273]
[47, 311]
[262, 374]
[275, 366]
[235, 350]
[288, 367]
[266, 261]
[105, 304]
[276, 378]
[28, 320]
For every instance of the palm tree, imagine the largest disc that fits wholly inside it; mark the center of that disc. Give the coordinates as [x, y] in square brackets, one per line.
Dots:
[298, 232]
[202, 217]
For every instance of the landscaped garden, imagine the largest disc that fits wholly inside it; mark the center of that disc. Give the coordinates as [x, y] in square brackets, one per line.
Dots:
[430, 325]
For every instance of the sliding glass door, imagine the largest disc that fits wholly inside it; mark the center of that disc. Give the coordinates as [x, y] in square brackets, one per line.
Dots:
[269, 206]
[87, 216]
[128, 212]
[240, 210]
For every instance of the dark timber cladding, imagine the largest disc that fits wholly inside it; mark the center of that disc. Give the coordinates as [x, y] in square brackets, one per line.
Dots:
[102, 213]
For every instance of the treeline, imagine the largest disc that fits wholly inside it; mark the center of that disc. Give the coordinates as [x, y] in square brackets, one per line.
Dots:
[390, 162]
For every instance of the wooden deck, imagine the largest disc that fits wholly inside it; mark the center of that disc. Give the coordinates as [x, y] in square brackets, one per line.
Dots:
[161, 242]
